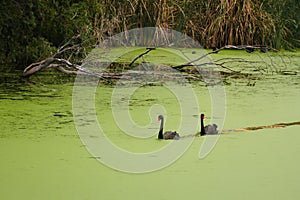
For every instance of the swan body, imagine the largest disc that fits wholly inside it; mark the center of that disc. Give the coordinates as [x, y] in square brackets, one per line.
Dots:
[168, 135]
[209, 129]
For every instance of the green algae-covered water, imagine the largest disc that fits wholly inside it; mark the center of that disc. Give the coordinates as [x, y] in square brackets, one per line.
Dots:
[42, 156]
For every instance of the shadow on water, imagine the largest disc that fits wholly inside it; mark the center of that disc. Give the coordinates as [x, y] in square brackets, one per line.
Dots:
[15, 87]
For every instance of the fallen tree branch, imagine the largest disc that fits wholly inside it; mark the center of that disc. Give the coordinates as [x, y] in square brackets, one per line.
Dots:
[55, 61]
[67, 67]
[141, 55]
[248, 48]
[223, 62]
[47, 63]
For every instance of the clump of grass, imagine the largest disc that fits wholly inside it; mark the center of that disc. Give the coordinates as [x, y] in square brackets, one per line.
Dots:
[213, 23]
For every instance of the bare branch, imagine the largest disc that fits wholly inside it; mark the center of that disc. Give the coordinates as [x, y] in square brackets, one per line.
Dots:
[223, 62]
[66, 66]
[141, 55]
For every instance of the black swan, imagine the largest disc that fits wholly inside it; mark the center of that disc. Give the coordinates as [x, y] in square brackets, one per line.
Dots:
[168, 135]
[209, 129]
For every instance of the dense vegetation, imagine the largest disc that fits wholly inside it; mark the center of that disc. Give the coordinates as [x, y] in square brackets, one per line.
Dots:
[34, 29]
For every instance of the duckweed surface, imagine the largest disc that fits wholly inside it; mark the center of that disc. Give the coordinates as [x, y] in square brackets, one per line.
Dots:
[42, 156]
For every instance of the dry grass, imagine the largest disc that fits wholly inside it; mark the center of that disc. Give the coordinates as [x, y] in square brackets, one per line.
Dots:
[212, 23]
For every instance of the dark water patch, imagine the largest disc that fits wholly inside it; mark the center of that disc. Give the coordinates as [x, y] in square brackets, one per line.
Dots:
[53, 77]
[6, 97]
[41, 95]
[66, 122]
[17, 97]
[142, 102]
[287, 72]
[63, 114]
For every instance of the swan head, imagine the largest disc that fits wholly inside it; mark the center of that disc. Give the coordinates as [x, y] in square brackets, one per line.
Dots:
[202, 116]
[160, 117]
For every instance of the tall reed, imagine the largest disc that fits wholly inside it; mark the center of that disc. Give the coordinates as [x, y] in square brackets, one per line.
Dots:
[211, 22]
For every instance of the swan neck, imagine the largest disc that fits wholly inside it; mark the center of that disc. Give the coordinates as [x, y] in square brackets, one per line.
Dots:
[160, 134]
[202, 131]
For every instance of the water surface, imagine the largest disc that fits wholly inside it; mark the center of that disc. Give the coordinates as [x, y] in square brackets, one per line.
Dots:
[42, 156]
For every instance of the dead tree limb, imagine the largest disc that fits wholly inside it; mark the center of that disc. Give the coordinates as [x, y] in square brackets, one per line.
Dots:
[248, 48]
[66, 66]
[61, 64]
[141, 55]
[47, 63]
[223, 62]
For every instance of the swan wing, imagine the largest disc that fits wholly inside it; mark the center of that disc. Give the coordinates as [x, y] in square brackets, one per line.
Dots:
[211, 129]
[169, 135]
